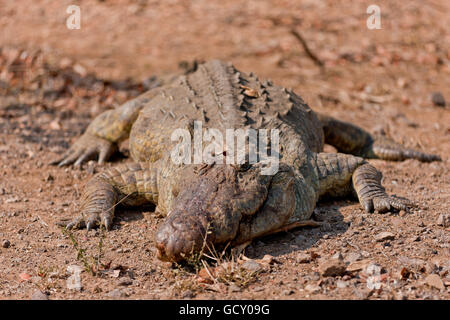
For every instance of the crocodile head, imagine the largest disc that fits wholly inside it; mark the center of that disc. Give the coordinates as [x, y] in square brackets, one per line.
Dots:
[209, 209]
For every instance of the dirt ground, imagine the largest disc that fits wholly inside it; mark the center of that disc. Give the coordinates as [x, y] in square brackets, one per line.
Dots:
[54, 81]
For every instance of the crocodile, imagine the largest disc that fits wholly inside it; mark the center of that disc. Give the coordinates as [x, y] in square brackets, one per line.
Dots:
[227, 203]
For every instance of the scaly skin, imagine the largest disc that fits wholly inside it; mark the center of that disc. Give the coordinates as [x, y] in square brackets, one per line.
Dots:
[225, 203]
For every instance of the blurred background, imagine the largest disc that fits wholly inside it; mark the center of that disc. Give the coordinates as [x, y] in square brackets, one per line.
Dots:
[349, 66]
[393, 81]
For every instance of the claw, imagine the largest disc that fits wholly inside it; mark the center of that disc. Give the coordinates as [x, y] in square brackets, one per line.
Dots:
[71, 158]
[107, 223]
[76, 223]
[85, 148]
[86, 155]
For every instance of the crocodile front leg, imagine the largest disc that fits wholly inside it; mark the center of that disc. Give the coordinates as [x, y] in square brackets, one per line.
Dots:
[348, 138]
[372, 196]
[105, 132]
[128, 184]
[341, 174]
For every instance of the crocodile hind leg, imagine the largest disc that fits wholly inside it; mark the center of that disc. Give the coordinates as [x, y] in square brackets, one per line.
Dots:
[129, 184]
[348, 138]
[342, 174]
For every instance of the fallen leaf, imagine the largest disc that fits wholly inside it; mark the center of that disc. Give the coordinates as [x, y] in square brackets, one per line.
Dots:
[250, 92]
[25, 276]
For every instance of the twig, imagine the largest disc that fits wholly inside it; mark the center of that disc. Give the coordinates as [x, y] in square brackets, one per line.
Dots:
[296, 224]
[42, 221]
[310, 54]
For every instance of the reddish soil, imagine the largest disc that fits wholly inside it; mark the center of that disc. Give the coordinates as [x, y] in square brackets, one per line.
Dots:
[53, 81]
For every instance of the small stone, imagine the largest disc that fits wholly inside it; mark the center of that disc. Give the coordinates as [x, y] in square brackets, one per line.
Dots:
[362, 294]
[341, 284]
[288, 292]
[352, 257]
[251, 265]
[12, 200]
[39, 295]
[443, 220]
[384, 236]
[234, 288]
[116, 293]
[124, 281]
[303, 258]
[188, 294]
[402, 213]
[332, 267]
[6, 244]
[268, 259]
[438, 99]
[337, 256]
[72, 269]
[358, 265]
[312, 288]
[24, 276]
[433, 280]
[74, 282]
[412, 263]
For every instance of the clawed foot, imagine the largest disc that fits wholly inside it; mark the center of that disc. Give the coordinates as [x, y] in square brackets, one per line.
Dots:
[372, 195]
[90, 222]
[97, 206]
[87, 147]
[384, 203]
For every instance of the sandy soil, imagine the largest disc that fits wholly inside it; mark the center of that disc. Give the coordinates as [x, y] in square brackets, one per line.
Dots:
[53, 81]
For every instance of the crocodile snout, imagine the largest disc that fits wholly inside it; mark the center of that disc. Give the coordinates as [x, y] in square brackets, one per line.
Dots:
[177, 239]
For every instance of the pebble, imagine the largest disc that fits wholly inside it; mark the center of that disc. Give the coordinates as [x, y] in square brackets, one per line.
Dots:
[6, 244]
[443, 220]
[438, 99]
[234, 288]
[337, 256]
[258, 289]
[124, 281]
[341, 284]
[383, 236]
[188, 294]
[74, 282]
[39, 295]
[433, 280]
[116, 293]
[251, 265]
[331, 267]
[12, 200]
[362, 294]
[358, 265]
[352, 257]
[303, 258]
[74, 269]
[268, 259]
[288, 292]
[312, 288]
